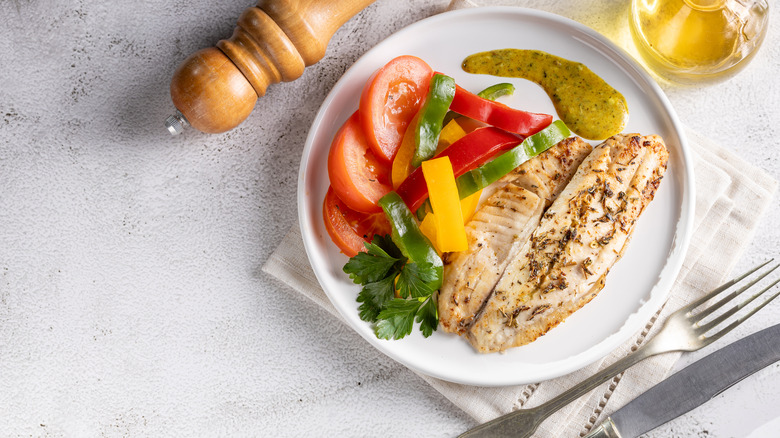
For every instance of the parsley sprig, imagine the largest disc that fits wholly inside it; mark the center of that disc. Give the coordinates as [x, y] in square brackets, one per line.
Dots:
[382, 271]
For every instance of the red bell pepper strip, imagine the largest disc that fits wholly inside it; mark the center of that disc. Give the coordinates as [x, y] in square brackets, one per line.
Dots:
[469, 152]
[497, 114]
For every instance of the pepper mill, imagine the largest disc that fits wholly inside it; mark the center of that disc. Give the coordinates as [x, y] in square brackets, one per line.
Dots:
[215, 89]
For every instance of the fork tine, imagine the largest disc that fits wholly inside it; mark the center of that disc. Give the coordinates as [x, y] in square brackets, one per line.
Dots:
[704, 313]
[721, 288]
[721, 318]
[707, 327]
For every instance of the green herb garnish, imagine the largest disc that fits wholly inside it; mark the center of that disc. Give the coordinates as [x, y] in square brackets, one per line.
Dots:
[383, 270]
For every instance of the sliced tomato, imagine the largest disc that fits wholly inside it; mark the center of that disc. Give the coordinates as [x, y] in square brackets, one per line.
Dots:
[349, 229]
[357, 177]
[390, 99]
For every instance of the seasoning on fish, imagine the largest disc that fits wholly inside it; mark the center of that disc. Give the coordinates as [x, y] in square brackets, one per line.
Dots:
[579, 238]
[511, 211]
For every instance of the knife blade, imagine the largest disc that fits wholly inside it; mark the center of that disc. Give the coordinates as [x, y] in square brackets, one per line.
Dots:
[693, 385]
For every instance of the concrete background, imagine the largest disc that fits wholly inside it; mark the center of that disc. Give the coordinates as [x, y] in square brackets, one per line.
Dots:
[131, 297]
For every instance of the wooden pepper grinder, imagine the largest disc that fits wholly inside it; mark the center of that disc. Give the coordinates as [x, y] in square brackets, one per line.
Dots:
[216, 88]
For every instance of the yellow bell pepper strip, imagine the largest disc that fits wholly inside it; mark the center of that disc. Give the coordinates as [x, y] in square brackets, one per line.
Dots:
[443, 192]
[451, 133]
[468, 206]
[402, 163]
[440, 93]
[428, 227]
[414, 192]
[465, 154]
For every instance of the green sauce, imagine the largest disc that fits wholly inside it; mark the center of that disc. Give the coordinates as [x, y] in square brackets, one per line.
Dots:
[588, 105]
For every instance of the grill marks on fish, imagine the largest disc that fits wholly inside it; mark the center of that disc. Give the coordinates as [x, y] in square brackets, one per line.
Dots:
[499, 228]
[547, 174]
[579, 238]
[508, 216]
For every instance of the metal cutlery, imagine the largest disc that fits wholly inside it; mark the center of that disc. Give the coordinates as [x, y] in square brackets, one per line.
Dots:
[693, 386]
[687, 329]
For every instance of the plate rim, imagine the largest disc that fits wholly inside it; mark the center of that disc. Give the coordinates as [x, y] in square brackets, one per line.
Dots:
[682, 229]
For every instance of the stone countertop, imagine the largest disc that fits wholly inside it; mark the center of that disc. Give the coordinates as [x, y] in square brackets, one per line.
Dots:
[132, 302]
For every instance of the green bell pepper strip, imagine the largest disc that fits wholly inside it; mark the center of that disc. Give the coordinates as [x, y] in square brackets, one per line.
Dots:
[440, 95]
[408, 237]
[493, 92]
[490, 172]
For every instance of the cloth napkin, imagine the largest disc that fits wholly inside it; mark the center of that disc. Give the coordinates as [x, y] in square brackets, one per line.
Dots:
[731, 196]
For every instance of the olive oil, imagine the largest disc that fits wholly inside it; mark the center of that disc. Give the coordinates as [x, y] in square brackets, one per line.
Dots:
[693, 40]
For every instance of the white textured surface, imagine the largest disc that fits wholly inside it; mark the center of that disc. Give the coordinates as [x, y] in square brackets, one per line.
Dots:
[131, 297]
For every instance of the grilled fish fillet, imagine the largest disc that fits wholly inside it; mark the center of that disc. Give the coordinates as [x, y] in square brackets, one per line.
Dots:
[579, 238]
[499, 228]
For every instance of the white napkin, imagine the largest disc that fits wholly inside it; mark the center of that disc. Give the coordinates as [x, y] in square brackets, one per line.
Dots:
[730, 199]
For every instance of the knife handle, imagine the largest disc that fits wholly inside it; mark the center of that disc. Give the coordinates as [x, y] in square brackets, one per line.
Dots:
[607, 429]
[216, 88]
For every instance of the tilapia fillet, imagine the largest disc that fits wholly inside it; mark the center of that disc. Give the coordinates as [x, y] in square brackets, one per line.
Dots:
[579, 238]
[499, 228]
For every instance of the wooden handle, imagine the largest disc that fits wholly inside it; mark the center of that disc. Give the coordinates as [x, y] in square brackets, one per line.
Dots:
[216, 88]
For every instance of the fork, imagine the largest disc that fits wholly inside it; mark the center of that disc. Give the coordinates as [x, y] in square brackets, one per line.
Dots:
[683, 330]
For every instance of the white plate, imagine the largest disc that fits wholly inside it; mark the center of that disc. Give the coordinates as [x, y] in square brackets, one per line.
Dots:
[637, 285]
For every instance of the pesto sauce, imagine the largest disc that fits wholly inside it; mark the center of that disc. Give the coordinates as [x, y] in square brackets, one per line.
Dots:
[587, 105]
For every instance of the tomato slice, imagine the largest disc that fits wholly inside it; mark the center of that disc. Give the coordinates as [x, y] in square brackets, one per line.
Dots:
[347, 228]
[357, 177]
[390, 99]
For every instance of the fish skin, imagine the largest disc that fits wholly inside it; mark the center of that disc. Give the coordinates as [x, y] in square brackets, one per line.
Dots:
[579, 238]
[512, 209]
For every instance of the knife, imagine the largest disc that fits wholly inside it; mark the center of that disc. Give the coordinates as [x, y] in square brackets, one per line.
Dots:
[693, 385]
